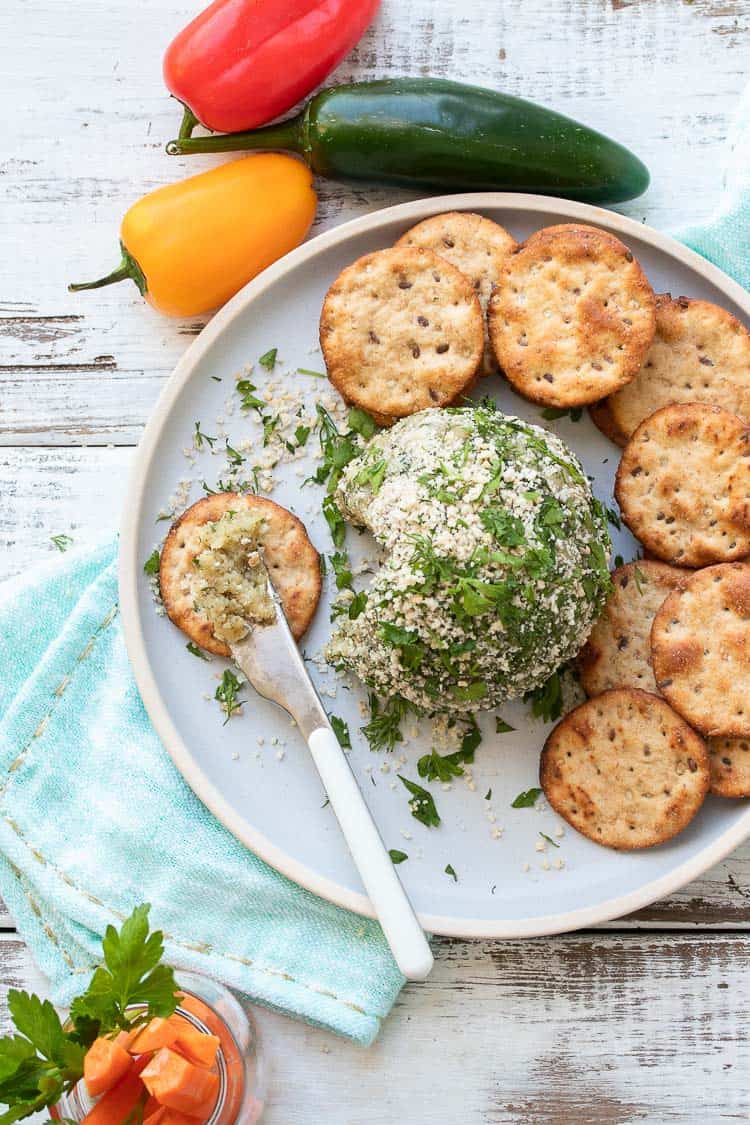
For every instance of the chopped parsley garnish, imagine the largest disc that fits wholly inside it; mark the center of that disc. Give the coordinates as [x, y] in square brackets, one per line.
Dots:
[442, 767]
[488, 795]
[619, 560]
[308, 371]
[268, 359]
[195, 651]
[549, 839]
[337, 450]
[613, 517]
[301, 434]
[361, 423]
[248, 399]
[372, 475]
[450, 871]
[501, 727]
[472, 692]
[271, 423]
[526, 800]
[412, 650]
[506, 528]
[341, 730]
[422, 804]
[552, 413]
[62, 542]
[335, 521]
[234, 457]
[397, 856]
[639, 577]
[384, 728]
[199, 438]
[233, 485]
[151, 565]
[547, 699]
[342, 570]
[216, 378]
[357, 605]
[227, 694]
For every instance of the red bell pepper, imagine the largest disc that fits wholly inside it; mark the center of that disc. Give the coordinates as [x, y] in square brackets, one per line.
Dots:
[241, 63]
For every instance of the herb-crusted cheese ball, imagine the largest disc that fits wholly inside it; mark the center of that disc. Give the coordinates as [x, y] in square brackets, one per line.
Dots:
[495, 559]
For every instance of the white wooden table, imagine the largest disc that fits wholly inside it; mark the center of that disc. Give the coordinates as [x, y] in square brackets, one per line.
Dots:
[644, 1020]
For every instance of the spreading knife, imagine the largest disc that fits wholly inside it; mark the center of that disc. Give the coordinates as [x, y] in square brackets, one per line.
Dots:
[268, 656]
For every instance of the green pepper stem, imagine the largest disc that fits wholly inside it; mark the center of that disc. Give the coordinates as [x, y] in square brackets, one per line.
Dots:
[188, 123]
[288, 135]
[128, 268]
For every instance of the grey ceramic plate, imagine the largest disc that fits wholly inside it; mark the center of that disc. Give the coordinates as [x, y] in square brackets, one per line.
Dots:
[276, 805]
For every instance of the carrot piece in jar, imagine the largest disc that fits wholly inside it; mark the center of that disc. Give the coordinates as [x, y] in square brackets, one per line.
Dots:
[104, 1064]
[178, 1084]
[119, 1102]
[198, 1047]
[156, 1034]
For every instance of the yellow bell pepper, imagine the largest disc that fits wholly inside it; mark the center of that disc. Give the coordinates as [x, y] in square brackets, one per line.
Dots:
[192, 245]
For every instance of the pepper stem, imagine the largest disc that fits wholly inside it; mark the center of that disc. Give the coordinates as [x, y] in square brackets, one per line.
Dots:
[128, 268]
[188, 123]
[288, 135]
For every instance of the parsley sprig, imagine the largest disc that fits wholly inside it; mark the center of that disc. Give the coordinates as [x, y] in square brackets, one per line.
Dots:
[44, 1060]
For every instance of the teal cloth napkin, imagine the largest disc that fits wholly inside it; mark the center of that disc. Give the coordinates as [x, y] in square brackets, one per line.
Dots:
[94, 818]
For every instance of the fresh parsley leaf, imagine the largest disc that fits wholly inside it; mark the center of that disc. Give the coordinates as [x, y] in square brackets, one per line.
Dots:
[397, 856]
[337, 450]
[372, 475]
[227, 694]
[268, 359]
[195, 651]
[440, 767]
[613, 517]
[384, 728]
[488, 795]
[199, 438]
[357, 605]
[234, 457]
[547, 700]
[552, 413]
[151, 565]
[335, 521]
[501, 727]
[301, 434]
[361, 423]
[412, 650]
[62, 542]
[342, 570]
[422, 804]
[525, 800]
[131, 974]
[248, 399]
[549, 839]
[271, 423]
[449, 871]
[341, 730]
[507, 529]
[472, 692]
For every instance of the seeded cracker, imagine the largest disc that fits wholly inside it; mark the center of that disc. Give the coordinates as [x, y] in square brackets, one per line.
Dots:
[572, 317]
[290, 557]
[700, 647]
[730, 766]
[618, 652]
[700, 353]
[476, 246]
[401, 330]
[683, 482]
[625, 770]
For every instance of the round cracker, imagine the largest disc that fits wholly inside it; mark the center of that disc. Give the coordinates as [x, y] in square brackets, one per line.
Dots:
[683, 483]
[625, 769]
[700, 353]
[618, 651]
[401, 330]
[476, 246]
[572, 317]
[730, 766]
[700, 650]
[290, 557]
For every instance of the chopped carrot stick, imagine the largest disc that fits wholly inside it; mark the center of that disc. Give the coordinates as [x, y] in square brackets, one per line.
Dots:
[178, 1084]
[121, 1100]
[156, 1034]
[104, 1064]
[198, 1047]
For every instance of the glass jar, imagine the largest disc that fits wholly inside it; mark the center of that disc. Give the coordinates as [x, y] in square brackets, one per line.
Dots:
[213, 1009]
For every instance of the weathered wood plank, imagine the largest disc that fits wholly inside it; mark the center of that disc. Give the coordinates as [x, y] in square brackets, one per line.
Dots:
[597, 1028]
[662, 76]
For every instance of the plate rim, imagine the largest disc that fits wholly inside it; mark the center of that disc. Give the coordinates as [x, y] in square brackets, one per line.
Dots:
[129, 571]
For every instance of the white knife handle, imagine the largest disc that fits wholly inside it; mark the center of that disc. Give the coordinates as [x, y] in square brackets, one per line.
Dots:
[395, 914]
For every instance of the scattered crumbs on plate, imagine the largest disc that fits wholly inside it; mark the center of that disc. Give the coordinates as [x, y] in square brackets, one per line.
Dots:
[280, 755]
[261, 740]
[540, 846]
[525, 867]
[559, 831]
[559, 864]
[406, 835]
[545, 865]
[235, 757]
[496, 833]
